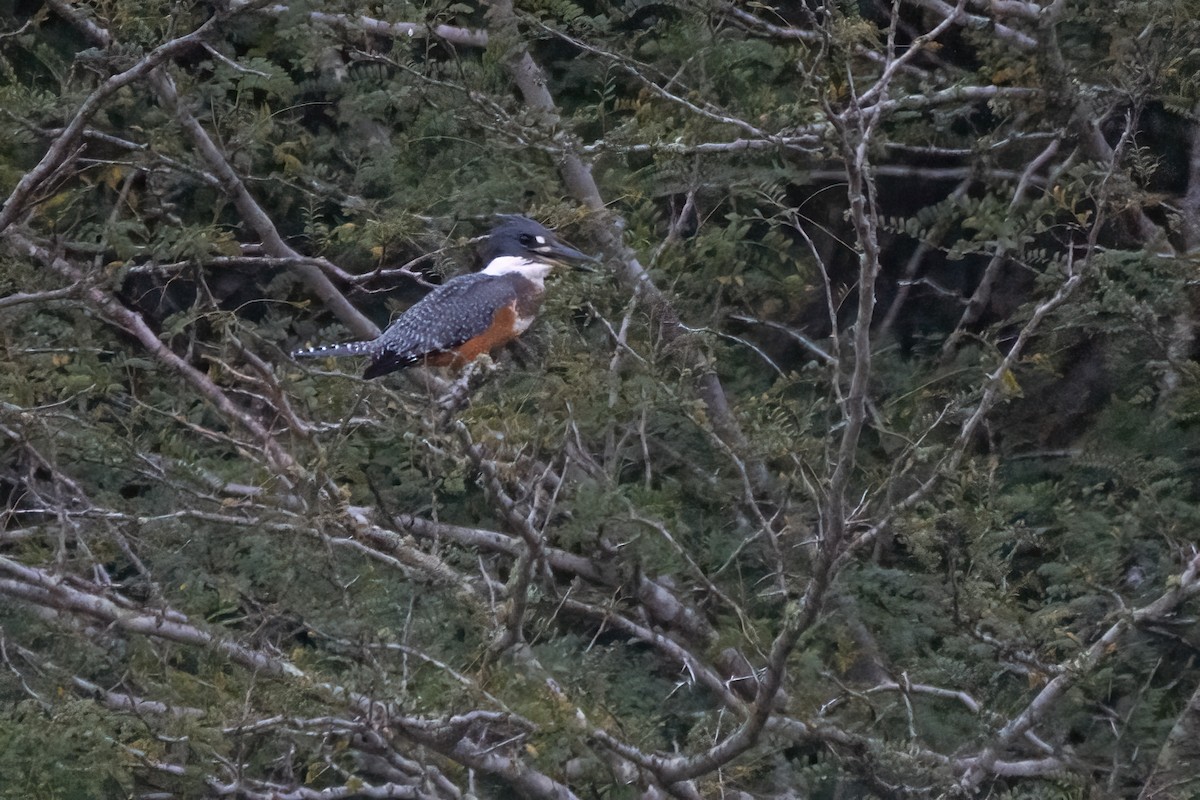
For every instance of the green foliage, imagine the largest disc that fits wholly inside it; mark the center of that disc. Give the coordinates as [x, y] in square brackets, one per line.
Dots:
[718, 142]
[72, 751]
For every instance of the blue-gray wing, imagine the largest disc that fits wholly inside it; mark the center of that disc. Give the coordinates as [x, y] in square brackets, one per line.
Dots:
[453, 313]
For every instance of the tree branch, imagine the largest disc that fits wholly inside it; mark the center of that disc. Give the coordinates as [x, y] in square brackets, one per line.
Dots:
[64, 145]
[1186, 586]
[230, 182]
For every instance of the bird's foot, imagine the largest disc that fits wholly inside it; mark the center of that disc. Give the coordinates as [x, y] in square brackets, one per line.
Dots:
[471, 378]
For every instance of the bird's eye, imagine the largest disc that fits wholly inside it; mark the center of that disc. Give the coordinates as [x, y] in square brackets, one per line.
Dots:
[525, 239]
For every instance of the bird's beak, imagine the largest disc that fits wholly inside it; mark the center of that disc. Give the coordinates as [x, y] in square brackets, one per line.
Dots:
[554, 250]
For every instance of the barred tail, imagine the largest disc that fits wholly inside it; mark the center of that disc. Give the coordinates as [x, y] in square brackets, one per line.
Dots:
[334, 350]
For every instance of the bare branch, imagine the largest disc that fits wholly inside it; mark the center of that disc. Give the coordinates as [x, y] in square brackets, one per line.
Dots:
[64, 146]
[50, 592]
[1005, 33]
[577, 175]
[465, 37]
[231, 183]
[1186, 587]
[135, 325]
[20, 298]
[1178, 764]
[982, 295]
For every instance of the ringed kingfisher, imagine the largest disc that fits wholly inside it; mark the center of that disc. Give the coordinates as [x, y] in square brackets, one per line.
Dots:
[472, 314]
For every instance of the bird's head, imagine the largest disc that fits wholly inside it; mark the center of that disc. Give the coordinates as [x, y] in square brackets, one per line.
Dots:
[521, 238]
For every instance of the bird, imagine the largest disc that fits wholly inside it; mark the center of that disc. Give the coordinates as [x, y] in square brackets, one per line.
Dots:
[472, 314]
